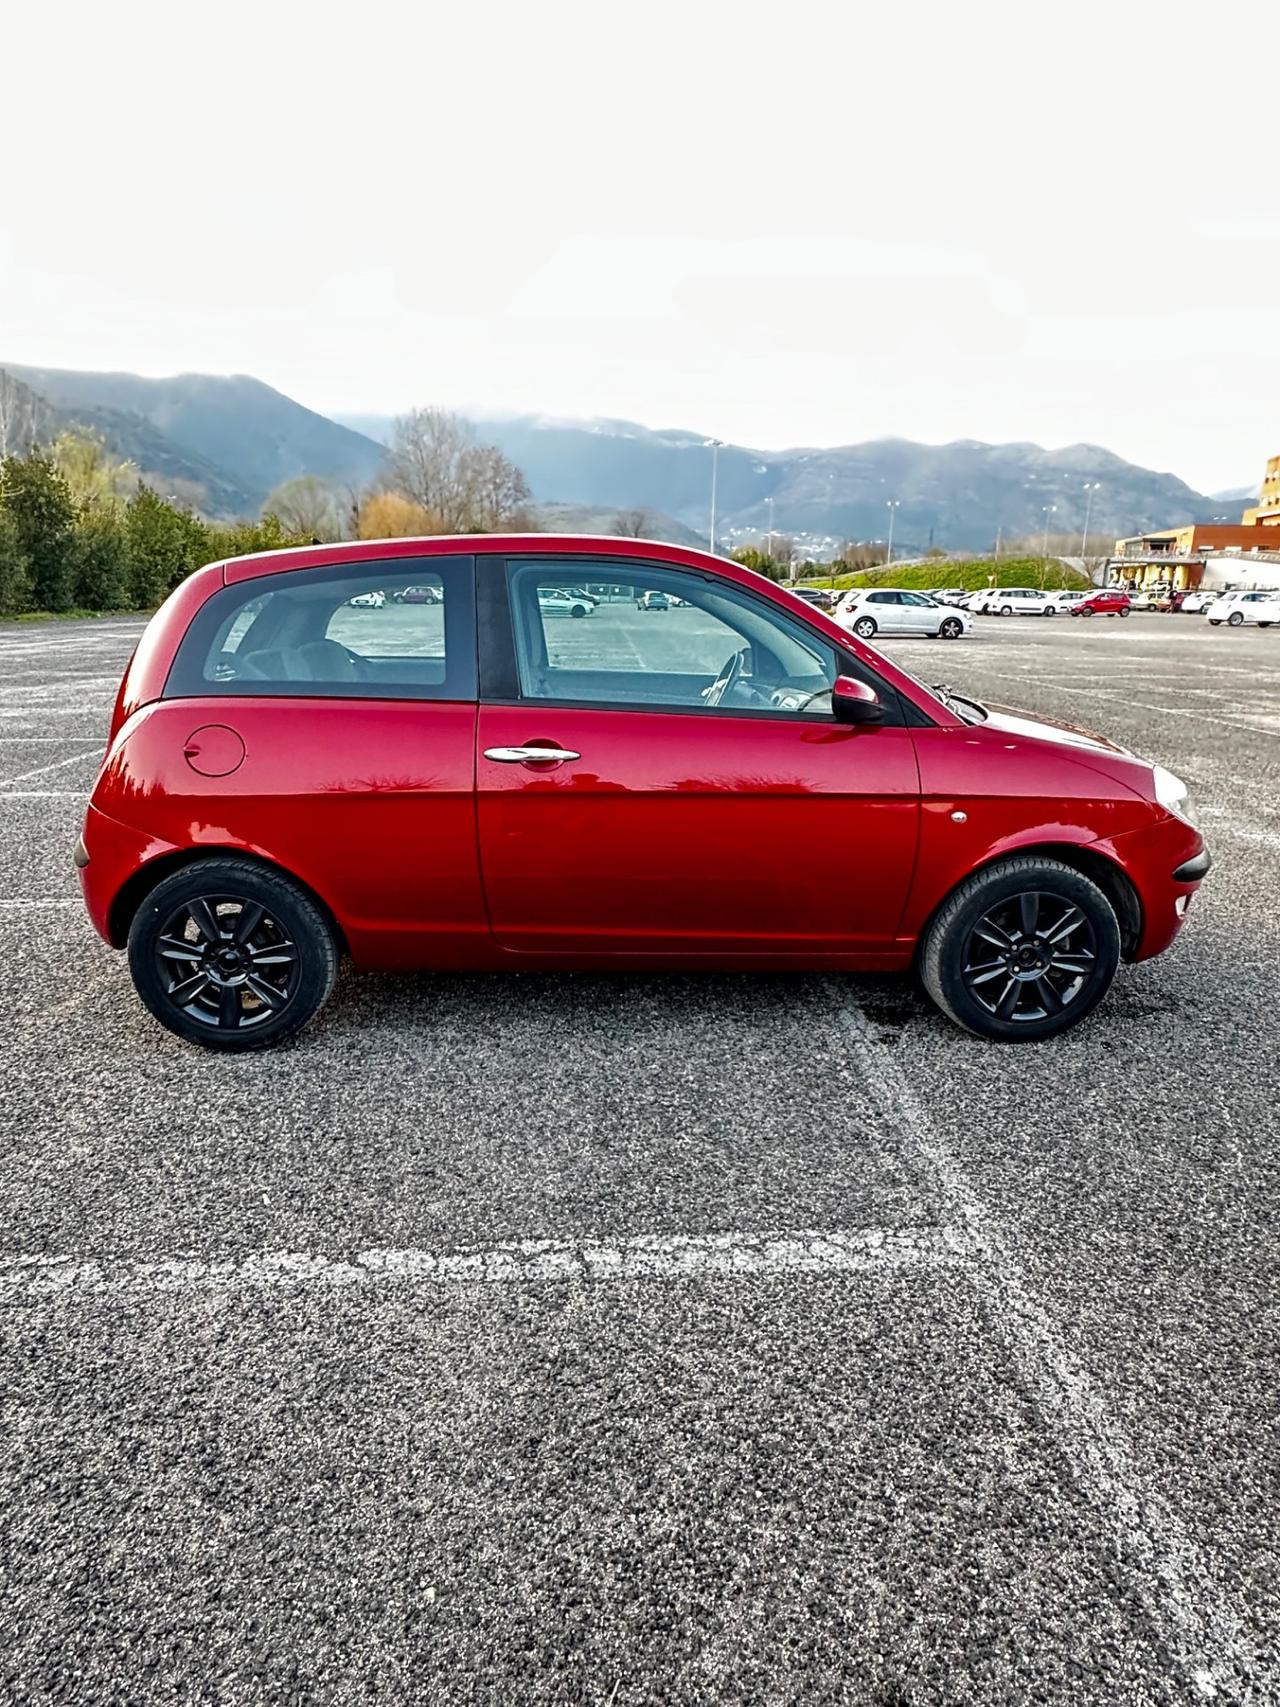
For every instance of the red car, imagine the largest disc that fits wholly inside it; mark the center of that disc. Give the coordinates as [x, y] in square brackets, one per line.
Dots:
[1107, 601]
[479, 784]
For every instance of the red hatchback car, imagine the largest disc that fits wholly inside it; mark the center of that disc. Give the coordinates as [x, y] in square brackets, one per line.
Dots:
[1107, 601]
[476, 780]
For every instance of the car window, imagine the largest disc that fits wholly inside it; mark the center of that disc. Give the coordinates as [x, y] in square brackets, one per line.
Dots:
[716, 649]
[397, 630]
[882, 598]
[913, 599]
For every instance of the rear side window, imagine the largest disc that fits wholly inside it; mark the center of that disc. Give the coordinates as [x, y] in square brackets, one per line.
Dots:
[397, 630]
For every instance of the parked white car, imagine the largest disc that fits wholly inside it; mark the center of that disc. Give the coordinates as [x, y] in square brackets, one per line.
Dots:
[1014, 601]
[1066, 597]
[1235, 609]
[555, 599]
[896, 610]
[1195, 604]
[369, 601]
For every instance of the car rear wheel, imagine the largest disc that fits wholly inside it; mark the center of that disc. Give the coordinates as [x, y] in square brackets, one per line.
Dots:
[865, 627]
[1235, 619]
[952, 628]
[1022, 950]
[1048, 611]
[230, 955]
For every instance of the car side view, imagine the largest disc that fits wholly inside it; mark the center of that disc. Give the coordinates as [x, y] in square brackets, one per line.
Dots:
[472, 779]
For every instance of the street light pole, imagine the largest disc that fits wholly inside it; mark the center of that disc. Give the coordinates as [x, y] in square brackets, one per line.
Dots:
[1088, 511]
[714, 446]
[769, 539]
[892, 505]
[1049, 510]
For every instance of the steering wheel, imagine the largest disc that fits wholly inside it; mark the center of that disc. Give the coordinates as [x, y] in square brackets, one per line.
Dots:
[729, 674]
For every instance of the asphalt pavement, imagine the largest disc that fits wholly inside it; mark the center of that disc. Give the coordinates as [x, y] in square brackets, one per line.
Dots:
[638, 1340]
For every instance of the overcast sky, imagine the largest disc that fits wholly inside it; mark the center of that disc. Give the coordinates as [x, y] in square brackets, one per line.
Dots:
[809, 223]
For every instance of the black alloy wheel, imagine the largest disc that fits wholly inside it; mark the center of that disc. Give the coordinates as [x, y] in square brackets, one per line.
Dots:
[952, 628]
[231, 955]
[1029, 957]
[1022, 950]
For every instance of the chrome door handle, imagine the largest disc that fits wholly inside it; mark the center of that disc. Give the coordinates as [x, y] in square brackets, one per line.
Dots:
[529, 755]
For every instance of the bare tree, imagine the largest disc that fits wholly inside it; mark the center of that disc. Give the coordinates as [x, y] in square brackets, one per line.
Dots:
[436, 461]
[496, 494]
[306, 505]
[862, 554]
[25, 418]
[633, 524]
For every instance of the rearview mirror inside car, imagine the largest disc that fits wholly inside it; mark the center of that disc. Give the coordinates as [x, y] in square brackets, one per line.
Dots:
[853, 701]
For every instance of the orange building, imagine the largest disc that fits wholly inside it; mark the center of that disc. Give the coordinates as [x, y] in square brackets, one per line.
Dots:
[1177, 554]
[1266, 513]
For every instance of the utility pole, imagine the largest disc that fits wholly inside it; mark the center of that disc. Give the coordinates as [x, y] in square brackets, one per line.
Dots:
[769, 536]
[1088, 511]
[892, 504]
[713, 445]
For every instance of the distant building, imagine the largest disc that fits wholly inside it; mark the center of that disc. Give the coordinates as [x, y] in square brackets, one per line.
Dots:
[1180, 555]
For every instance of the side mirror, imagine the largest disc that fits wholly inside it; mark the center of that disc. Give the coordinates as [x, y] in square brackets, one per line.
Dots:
[853, 701]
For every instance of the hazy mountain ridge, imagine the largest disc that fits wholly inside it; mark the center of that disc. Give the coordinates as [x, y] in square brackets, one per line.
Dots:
[958, 494]
[232, 434]
[237, 438]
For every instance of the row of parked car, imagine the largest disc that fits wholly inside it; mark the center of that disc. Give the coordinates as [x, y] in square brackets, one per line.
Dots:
[947, 612]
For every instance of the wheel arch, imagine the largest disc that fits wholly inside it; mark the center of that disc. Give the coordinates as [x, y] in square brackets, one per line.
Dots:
[1110, 877]
[134, 891]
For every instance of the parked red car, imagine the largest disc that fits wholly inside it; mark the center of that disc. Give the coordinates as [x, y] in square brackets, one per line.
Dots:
[481, 782]
[1107, 601]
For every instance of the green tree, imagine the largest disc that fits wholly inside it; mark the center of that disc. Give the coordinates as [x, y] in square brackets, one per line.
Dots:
[101, 558]
[165, 545]
[92, 476]
[36, 499]
[15, 575]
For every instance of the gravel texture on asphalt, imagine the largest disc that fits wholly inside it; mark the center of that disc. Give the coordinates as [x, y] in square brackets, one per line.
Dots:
[1022, 1447]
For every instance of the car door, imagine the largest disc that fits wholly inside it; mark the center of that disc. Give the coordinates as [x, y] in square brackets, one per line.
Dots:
[690, 804]
[919, 614]
[337, 739]
[886, 606]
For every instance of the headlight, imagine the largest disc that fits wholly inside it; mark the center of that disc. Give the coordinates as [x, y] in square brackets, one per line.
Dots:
[1171, 792]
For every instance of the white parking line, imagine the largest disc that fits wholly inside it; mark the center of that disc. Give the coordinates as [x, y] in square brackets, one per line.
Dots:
[658, 1256]
[1196, 1619]
[43, 794]
[57, 765]
[29, 904]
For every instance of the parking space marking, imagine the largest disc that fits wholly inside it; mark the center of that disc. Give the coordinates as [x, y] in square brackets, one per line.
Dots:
[658, 1256]
[1176, 1583]
[33, 903]
[57, 765]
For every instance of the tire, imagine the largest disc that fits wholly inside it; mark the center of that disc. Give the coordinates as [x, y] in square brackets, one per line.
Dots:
[1215, 622]
[1048, 611]
[951, 628]
[865, 627]
[227, 1012]
[1087, 611]
[1235, 619]
[1123, 611]
[1264, 625]
[1006, 610]
[1091, 950]
[578, 610]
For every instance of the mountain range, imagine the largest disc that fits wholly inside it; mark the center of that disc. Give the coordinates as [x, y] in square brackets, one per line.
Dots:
[224, 442]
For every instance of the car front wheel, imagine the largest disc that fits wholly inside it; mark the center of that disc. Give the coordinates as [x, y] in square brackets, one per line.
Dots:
[865, 627]
[1235, 619]
[952, 628]
[231, 955]
[1021, 951]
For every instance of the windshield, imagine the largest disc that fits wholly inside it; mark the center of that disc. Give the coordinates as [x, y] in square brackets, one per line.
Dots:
[959, 704]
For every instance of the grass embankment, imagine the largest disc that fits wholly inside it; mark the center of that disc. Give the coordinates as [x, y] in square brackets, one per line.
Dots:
[973, 572]
[68, 615]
